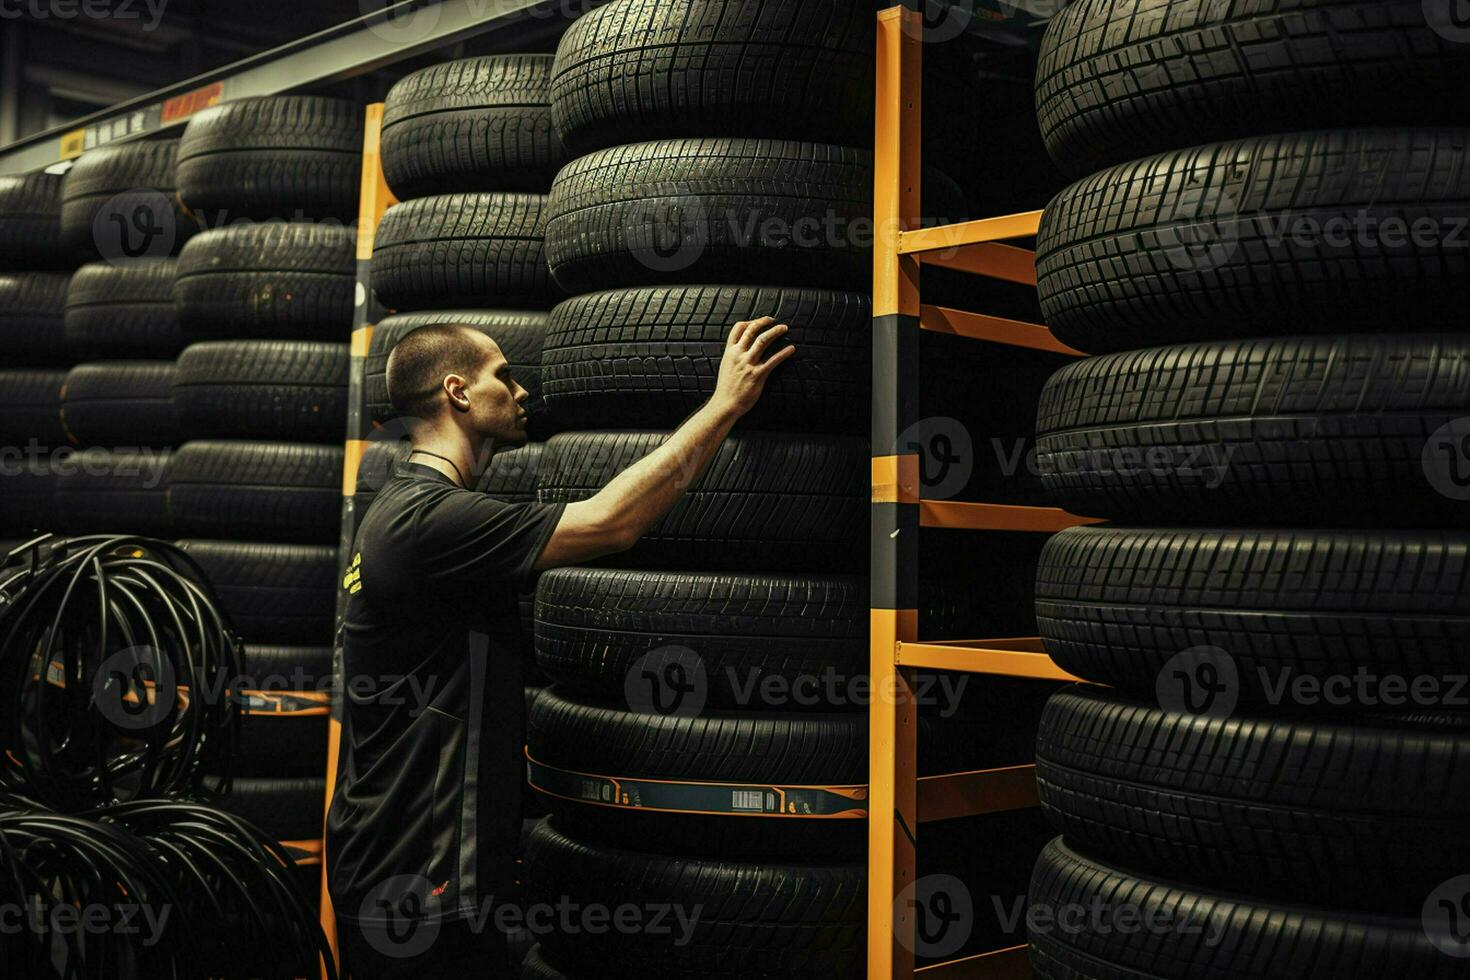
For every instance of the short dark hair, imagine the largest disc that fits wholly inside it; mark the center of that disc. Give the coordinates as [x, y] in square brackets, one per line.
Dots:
[419, 362]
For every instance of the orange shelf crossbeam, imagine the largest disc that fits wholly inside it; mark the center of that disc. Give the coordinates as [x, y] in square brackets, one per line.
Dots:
[1010, 657]
[970, 794]
[964, 516]
[1002, 964]
[976, 247]
[967, 233]
[993, 260]
[995, 329]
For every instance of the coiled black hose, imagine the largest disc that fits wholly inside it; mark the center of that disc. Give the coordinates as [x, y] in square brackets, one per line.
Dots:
[115, 663]
[151, 889]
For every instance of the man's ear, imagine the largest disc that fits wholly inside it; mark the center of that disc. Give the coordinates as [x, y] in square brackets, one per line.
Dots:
[454, 386]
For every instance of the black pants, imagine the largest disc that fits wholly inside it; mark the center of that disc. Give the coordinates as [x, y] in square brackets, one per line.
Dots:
[451, 950]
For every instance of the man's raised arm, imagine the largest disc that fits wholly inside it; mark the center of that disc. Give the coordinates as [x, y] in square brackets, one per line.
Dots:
[622, 512]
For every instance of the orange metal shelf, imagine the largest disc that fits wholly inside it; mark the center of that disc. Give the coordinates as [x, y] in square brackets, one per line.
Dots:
[900, 800]
[1016, 657]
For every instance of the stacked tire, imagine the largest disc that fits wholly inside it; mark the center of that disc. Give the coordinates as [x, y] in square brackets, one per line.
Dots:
[35, 268]
[1275, 775]
[729, 644]
[264, 296]
[120, 207]
[88, 448]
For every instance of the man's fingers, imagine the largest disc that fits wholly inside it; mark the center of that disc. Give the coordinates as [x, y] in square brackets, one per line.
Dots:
[738, 332]
[776, 358]
[754, 329]
[766, 336]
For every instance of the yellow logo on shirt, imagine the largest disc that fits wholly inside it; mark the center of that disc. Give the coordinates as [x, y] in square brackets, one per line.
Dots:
[352, 581]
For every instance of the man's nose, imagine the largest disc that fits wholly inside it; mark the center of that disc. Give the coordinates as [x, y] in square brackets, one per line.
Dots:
[521, 394]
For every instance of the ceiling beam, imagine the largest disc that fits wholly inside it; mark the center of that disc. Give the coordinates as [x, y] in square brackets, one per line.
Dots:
[401, 31]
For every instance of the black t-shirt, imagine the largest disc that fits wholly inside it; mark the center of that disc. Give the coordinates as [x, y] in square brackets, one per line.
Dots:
[428, 797]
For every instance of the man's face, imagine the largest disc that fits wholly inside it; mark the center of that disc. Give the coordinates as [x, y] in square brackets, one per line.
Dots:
[497, 402]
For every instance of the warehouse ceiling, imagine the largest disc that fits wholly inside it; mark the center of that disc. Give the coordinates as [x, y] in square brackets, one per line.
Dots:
[58, 64]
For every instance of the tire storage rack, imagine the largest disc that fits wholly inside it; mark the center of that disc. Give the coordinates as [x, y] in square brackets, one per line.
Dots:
[265, 291]
[680, 760]
[216, 274]
[270, 282]
[1264, 767]
[1262, 251]
[900, 800]
[668, 770]
[92, 440]
[667, 786]
[1265, 252]
[1299, 404]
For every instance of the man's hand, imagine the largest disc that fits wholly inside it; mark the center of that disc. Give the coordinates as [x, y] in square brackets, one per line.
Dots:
[742, 372]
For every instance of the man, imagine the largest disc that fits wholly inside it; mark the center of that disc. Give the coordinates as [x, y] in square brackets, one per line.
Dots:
[422, 831]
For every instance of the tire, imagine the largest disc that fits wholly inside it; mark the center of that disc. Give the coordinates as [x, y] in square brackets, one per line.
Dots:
[30, 408]
[771, 501]
[650, 357]
[291, 668]
[1122, 79]
[1217, 242]
[1303, 943]
[272, 281]
[290, 157]
[100, 491]
[1266, 431]
[287, 808]
[477, 124]
[595, 627]
[463, 250]
[124, 310]
[1118, 605]
[32, 318]
[265, 389]
[120, 404]
[258, 491]
[30, 221]
[103, 192]
[27, 498]
[1371, 810]
[646, 70]
[519, 334]
[571, 731]
[714, 211]
[758, 919]
[272, 593]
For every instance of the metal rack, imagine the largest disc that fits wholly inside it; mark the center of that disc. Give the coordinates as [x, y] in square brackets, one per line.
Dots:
[899, 801]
